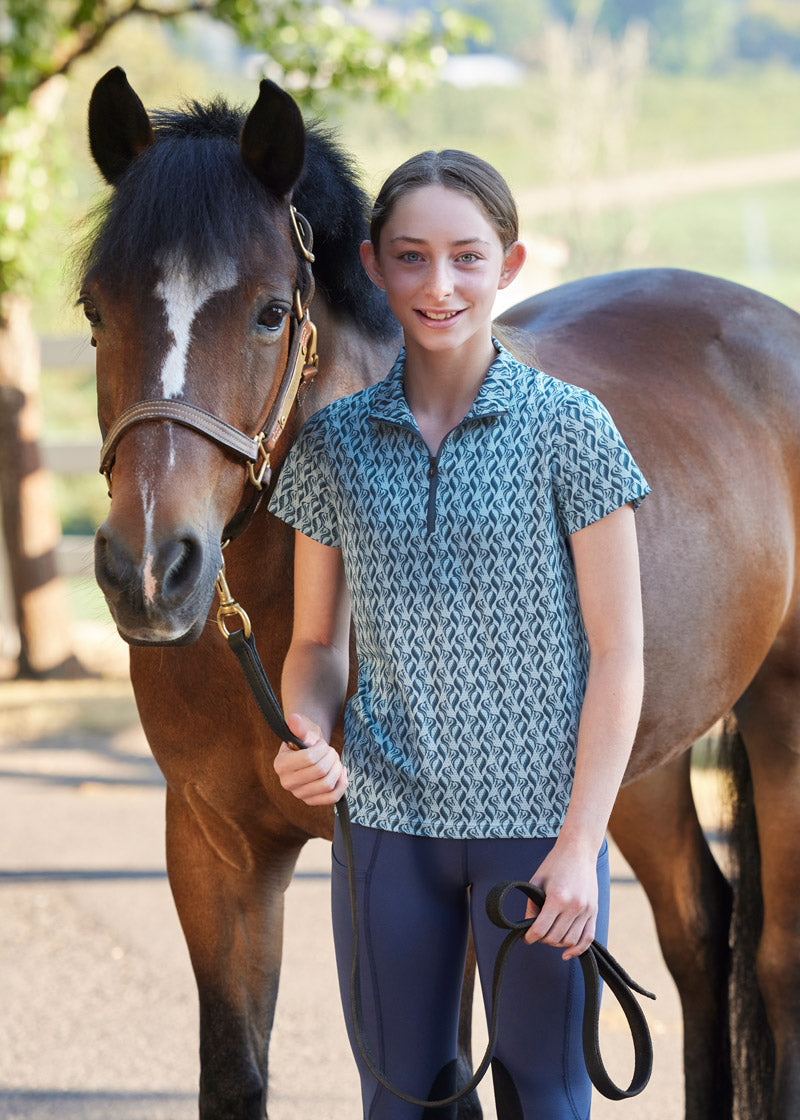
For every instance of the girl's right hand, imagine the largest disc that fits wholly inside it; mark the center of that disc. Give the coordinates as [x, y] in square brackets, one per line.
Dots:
[314, 775]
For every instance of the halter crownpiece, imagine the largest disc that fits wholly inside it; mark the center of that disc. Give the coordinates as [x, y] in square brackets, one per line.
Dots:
[303, 232]
[305, 241]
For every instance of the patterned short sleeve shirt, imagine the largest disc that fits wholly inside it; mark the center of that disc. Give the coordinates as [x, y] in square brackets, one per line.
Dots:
[471, 649]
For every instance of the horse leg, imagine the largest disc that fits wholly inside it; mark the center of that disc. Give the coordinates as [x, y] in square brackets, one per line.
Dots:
[769, 721]
[655, 825]
[232, 918]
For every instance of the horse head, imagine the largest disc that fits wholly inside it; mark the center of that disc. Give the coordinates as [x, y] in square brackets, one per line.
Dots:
[196, 287]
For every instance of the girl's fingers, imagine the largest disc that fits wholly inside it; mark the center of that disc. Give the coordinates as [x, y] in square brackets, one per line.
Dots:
[315, 774]
[330, 793]
[305, 729]
[582, 944]
[563, 929]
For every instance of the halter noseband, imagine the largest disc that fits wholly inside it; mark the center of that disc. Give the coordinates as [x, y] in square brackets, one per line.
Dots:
[301, 367]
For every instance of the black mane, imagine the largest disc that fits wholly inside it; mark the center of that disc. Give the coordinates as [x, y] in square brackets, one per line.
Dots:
[191, 191]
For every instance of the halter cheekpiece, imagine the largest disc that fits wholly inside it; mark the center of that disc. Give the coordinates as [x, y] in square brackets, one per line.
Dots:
[301, 367]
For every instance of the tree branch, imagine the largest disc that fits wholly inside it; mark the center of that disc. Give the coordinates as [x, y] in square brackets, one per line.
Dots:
[84, 41]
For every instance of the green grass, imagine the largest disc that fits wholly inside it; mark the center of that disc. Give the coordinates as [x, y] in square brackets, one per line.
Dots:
[82, 503]
[675, 120]
[682, 118]
[85, 599]
[749, 236]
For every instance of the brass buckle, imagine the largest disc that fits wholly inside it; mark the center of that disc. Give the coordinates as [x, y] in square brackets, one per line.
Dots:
[298, 306]
[257, 476]
[310, 349]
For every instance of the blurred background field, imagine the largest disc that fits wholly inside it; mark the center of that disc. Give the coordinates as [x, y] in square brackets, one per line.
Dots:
[634, 134]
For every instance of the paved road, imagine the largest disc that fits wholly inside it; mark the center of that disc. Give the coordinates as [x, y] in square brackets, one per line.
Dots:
[98, 1009]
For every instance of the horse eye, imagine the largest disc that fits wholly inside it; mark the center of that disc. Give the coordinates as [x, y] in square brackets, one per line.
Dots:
[271, 317]
[90, 311]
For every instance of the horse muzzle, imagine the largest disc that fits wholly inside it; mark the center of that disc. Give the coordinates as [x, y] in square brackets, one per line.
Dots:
[160, 594]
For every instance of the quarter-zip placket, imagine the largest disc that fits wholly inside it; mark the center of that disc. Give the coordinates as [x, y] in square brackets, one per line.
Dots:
[433, 472]
[433, 486]
[433, 466]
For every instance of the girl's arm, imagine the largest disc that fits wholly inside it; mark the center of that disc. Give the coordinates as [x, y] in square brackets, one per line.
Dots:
[315, 673]
[607, 569]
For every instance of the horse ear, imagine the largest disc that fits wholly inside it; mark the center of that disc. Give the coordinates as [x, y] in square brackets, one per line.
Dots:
[273, 140]
[119, 127]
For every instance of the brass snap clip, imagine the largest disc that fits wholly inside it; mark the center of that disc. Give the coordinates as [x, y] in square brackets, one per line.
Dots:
[228, 607]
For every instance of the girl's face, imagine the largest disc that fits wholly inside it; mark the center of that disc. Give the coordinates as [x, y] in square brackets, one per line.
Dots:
[441, 264]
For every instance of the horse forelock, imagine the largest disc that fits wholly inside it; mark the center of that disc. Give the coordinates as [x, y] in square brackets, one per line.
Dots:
[190, 196]
[187, 196]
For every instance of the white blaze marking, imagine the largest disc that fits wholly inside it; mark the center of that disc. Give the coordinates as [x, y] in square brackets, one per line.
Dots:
[183, 295]
[149, 583]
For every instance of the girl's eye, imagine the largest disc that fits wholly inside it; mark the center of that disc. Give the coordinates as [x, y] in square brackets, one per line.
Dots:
[411, 256]
[469, 258]
[271, 317]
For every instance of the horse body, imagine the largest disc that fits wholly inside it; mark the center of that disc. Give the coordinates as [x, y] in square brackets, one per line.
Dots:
[701, 377]
[710, 408]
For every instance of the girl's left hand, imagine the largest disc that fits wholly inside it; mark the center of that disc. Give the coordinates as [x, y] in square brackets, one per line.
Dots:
[568, 877]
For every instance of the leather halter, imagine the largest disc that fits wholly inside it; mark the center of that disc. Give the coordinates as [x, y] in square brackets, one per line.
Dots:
[255, 451]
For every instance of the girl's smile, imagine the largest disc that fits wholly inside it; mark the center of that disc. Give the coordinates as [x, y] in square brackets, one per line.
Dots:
[438, 316]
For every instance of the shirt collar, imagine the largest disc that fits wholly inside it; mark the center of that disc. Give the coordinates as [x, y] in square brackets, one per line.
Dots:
[495, 396]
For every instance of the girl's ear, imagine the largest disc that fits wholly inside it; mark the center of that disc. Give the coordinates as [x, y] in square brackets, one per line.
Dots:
[370, 262]
[513, 262]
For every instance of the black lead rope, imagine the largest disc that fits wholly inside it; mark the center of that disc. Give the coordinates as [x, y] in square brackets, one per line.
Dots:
[597, 964]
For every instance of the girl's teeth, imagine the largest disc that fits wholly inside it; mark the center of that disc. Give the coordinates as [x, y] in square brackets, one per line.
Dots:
[439, 314]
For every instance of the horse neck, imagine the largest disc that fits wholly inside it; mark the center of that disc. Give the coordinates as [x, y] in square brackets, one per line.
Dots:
[349, 358]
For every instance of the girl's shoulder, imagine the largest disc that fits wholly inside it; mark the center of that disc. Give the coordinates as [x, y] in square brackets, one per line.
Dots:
[560, 393]
[574, 406]
[555, 400]
[338, 414]
[545, 390]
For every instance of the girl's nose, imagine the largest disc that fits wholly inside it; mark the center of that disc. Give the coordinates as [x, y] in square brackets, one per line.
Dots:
[439, 280]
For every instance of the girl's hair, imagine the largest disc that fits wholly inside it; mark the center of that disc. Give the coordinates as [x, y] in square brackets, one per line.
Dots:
[459, 171]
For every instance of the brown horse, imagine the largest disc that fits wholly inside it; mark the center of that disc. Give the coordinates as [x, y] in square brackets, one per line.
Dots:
[192, 283]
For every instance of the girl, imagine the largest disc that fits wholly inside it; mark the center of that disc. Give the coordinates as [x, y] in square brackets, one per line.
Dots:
[475, 517]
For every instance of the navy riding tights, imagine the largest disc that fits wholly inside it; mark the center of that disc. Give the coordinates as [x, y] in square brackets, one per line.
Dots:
[417, 897]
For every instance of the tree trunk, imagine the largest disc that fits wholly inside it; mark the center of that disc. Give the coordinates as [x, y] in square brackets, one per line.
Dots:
[31, 529]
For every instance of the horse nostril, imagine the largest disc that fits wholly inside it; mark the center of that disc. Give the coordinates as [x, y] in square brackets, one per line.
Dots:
[180, 562]
[112, 563]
